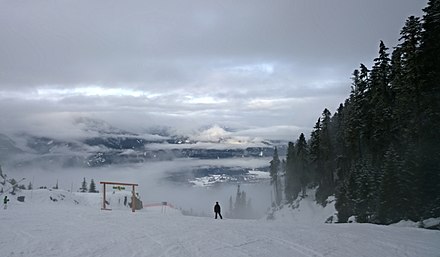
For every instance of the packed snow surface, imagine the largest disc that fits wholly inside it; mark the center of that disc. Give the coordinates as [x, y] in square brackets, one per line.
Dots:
[73, 225]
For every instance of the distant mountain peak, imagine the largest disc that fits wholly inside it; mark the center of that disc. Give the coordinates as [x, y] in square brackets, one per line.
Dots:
[99, 126]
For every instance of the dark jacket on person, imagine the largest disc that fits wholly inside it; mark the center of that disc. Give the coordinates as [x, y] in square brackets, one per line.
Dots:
[217, 208]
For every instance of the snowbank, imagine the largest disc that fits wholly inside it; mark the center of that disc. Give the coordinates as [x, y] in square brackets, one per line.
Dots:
[432, 223]
[307, 211]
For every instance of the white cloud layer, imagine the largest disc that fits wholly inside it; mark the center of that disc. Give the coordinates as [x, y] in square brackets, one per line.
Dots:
[251, 65]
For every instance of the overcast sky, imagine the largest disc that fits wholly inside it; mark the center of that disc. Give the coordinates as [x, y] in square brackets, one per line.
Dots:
[267, 68]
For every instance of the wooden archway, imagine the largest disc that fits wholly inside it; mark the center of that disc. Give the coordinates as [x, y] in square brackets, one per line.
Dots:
[133, 196]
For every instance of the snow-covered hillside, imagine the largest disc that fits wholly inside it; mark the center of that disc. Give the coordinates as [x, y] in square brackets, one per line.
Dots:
[74, 225]
[306, 210]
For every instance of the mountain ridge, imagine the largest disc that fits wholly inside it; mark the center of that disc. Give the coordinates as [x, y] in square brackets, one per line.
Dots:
[102, 144]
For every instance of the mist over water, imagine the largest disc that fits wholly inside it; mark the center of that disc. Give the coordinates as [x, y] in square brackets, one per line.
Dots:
[154, 183]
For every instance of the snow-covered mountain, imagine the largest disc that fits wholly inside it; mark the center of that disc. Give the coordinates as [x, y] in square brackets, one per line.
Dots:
[8, 148]
[95, 143]
[98, 143]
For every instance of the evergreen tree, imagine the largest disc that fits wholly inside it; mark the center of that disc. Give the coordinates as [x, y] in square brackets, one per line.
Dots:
[361, 118]
[390, 190]
[325, 167]
[292, 187]
[243, 202]
[429, 140]
[314, 150]
[406, 83]
[381, 97]
[275, 166]
[337, 129]
[381, 149]
[237, 207]
[243, 207]
[343, 155]
[83, 188]
[410, 181]
[357, 118]
[302, 163]
[30, 187]
[345, 198]
[92, 187]
[365, 192]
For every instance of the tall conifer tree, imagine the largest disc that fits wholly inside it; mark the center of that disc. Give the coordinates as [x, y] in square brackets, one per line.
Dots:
[275, 166]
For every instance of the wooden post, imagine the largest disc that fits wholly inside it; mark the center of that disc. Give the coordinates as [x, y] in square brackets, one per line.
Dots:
[103, 199]
[133, 197]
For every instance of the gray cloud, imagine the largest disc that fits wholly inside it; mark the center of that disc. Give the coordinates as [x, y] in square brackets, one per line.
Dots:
[247, 64]
[138, 41]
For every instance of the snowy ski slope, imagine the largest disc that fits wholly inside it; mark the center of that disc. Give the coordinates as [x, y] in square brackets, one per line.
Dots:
[75, 226]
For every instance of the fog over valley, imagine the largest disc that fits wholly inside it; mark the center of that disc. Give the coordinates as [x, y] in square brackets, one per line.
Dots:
[190, 171]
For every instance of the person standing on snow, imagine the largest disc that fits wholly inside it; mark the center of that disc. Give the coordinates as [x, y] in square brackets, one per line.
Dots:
[217, 210]
[5, 202]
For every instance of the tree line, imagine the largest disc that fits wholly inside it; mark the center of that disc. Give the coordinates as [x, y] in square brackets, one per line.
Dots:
[90, 189]
[379, 153]
[242, 207]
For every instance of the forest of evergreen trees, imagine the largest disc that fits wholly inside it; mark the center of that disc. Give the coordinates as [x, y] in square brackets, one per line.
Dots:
[242, 207]
[379, 153]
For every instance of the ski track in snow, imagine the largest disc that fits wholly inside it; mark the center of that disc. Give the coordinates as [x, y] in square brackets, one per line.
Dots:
[56, 229]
